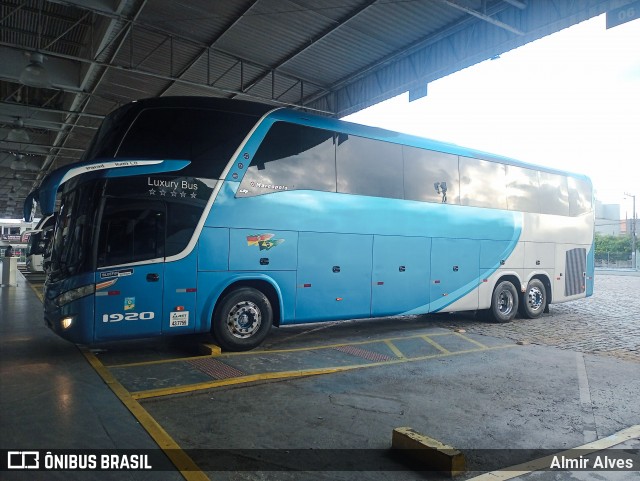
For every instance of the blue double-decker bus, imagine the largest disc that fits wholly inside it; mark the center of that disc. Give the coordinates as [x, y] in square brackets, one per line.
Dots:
[192, 215]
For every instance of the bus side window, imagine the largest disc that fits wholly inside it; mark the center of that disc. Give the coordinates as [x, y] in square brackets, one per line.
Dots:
[483, 183]
[554, 194]
[369, 167]
[579, 196]
[430, 176]
[523, 189]
[291, 157]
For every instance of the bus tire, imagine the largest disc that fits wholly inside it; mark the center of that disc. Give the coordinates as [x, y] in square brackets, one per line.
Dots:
[534, 300]
[504, 303]
[242, 320]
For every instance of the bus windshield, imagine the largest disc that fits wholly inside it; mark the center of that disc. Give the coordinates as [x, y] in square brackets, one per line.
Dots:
[118, 221]
[74, 230]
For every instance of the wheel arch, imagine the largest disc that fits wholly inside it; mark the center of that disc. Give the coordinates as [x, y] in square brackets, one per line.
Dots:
[511, 277]
[264, 284]
[546, 281]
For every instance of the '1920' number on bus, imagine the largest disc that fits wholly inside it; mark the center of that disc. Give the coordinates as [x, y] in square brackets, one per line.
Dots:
[129, 316]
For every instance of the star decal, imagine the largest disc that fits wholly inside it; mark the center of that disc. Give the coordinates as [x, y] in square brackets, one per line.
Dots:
[173, 193]
[152, 191]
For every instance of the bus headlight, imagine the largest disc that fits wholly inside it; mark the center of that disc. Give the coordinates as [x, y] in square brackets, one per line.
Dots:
[66, 323]
[74, 294]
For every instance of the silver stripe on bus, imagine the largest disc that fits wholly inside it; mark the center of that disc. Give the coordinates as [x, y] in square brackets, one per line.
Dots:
[196, 234]
[116, 164]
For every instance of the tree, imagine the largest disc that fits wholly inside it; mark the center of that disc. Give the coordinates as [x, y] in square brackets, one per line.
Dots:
[613, 248]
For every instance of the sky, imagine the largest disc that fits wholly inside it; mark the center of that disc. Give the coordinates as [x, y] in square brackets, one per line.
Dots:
[570, 100]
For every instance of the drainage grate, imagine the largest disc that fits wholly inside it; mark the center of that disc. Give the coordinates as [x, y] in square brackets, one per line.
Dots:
[364, 354]
[216, 369]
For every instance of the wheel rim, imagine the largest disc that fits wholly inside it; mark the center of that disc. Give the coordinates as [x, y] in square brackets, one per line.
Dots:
[505, 302]
[244, 319]
[535, 298]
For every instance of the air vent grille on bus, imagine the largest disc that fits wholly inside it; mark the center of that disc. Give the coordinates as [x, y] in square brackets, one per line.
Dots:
[575, 281]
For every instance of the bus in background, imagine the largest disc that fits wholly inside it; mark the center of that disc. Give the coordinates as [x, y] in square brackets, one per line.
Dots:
[38, 242]
[192, 215]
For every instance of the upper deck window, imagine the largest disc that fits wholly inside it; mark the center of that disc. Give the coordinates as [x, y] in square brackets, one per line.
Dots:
[208, 138]
[554, 194]
[430, 176]
[369, 167]
[523, 189]
[291, 157]
[482, 183]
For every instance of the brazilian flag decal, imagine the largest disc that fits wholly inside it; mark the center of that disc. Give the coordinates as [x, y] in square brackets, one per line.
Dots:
[263, 241]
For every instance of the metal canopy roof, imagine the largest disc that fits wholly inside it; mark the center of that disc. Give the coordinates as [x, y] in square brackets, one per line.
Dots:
[333, 57]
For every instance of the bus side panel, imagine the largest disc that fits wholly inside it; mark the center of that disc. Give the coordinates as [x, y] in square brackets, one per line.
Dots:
[497, 259]
[213, 249]
[132, 307]
[539, 255]
[401, 273]
[334, 276]
[180, 290]
[455, 270]
[264, 250]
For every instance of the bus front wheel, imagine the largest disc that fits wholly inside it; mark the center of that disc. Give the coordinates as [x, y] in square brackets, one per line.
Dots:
[242, 320]
[504, 302]
[534, 299]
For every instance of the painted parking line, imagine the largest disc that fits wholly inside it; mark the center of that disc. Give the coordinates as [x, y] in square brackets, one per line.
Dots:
[256, 352]
[512, 472]
[181, 460]
[172, 450]
[279, 375]
[468, 339]
[394, 349]
[37, 289]
[199, 373]
[150, 379]
[436, 345]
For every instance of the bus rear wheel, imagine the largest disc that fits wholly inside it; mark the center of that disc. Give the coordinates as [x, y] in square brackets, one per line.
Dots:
[534, 299]
[504, 303]
[242, 320]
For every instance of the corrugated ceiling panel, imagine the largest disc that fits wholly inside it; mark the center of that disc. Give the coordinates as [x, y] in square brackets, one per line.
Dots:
[277, 32]
[189, 90]
[122, 86]
[367, 38]
[201, 20]
[153, 52]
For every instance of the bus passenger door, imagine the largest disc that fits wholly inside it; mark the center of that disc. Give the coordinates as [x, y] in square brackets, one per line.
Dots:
[129, 302]
[130, 276]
